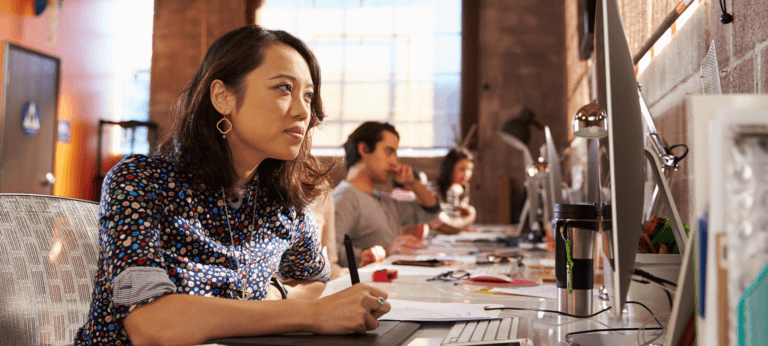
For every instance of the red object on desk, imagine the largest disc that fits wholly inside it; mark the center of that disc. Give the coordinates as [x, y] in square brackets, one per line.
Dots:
[384, 275]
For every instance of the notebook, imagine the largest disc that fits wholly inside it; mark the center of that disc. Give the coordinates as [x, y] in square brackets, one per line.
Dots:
[388, 333]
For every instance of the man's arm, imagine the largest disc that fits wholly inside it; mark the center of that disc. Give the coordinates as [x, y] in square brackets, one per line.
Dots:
[404, 176]
[423, 195]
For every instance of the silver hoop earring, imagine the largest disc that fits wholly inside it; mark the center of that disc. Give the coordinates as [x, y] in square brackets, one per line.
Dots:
[218, 127]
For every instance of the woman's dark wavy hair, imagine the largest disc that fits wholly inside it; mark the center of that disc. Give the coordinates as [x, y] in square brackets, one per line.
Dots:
[199, 148]
[445, 180]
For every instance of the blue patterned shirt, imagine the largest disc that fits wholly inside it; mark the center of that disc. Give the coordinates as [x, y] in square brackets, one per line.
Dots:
[162, 232]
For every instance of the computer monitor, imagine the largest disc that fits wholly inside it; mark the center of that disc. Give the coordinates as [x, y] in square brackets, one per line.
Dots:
[617, 94]
[555, 179]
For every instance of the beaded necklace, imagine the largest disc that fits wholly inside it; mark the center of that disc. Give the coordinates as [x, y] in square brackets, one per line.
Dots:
[247, 293]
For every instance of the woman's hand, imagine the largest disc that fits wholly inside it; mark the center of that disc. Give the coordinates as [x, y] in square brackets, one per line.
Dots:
[404, 244]
[353, 310]
[448, 229]
[372, 255]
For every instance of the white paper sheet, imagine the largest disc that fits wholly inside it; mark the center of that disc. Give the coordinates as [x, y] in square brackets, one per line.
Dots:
[405, 310]
[446, 249]
[448, 258]
[466, 236]
[541, 291]
[406, 270]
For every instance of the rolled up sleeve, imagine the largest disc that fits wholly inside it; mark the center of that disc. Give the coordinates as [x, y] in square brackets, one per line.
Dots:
[304, 259]
[135, 270]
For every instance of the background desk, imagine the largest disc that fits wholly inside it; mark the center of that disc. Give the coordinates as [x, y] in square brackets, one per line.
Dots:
[542, 328]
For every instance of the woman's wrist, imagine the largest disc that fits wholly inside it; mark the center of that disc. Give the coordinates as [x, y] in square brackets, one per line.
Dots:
[279, 285]
[311, 314]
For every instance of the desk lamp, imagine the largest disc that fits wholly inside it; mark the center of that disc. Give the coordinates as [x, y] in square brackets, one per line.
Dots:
[516, 132]
[589, 122]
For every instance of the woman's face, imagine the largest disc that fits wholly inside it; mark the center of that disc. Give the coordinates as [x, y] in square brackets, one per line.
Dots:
[462, 171]
[274, 112]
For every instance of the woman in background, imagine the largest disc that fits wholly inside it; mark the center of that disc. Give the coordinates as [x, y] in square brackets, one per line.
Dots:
[191, 237]
[453, 189]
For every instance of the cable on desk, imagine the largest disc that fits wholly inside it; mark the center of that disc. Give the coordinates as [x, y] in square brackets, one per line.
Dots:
[666, 289]
[552, 311]
[648, 276]
[657, 280]
[660, 327]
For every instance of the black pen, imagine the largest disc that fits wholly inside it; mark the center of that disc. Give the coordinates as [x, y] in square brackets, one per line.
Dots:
[351, 262]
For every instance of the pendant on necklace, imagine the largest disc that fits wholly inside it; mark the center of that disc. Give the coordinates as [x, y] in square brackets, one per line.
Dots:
[246, 294]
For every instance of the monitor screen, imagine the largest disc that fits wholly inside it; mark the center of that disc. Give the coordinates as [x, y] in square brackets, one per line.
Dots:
[554, 183]
[617, 94]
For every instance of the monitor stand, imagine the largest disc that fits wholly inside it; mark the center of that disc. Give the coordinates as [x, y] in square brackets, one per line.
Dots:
[684, 302]
[681, 238]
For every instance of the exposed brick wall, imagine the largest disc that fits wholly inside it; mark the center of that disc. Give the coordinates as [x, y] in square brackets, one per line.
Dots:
[578, 71]
[742, 54]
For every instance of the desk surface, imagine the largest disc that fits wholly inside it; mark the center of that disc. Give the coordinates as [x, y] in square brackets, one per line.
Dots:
[542, 328]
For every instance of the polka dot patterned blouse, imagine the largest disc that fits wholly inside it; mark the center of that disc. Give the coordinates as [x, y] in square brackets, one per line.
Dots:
[162, 231]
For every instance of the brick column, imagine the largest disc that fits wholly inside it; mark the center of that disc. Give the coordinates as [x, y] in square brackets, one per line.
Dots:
[522, 64]
[183, 31]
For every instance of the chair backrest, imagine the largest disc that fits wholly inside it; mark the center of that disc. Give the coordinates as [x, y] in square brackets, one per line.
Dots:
[48, 255]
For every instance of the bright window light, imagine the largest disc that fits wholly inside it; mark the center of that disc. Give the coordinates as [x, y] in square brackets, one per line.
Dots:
[391, 61]
[686, 14]
[133, 24]
[662, 42]
[643, 63]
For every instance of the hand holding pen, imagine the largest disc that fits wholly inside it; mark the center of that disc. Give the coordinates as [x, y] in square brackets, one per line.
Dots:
[351, 261]
[353, 274]
[340, 312]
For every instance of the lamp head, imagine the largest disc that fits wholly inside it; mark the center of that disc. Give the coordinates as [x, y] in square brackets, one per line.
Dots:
[590, 122]
[538, 170]
[516, 131]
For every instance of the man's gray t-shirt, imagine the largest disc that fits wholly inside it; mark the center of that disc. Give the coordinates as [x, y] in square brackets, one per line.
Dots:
[373, 219]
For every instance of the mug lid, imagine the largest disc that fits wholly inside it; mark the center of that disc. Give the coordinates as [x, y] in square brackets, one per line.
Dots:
[581, 211]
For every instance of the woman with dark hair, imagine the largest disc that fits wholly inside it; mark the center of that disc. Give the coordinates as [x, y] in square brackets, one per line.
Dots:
[453, 190]
[191, 237]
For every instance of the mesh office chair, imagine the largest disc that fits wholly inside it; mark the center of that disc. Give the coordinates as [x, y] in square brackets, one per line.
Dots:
[48, 252]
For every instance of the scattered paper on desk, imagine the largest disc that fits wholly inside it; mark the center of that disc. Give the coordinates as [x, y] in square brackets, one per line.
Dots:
[406, 270]
[448, 258]
[547, 262]
[466, 236]
[405, 310]
[446, 249]
[541, 291]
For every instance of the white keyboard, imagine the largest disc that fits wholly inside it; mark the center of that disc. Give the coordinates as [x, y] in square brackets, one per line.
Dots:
[488, 332]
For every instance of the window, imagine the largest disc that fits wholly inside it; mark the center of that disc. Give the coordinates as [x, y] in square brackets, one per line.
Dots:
[397, 61]
[133, 28]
